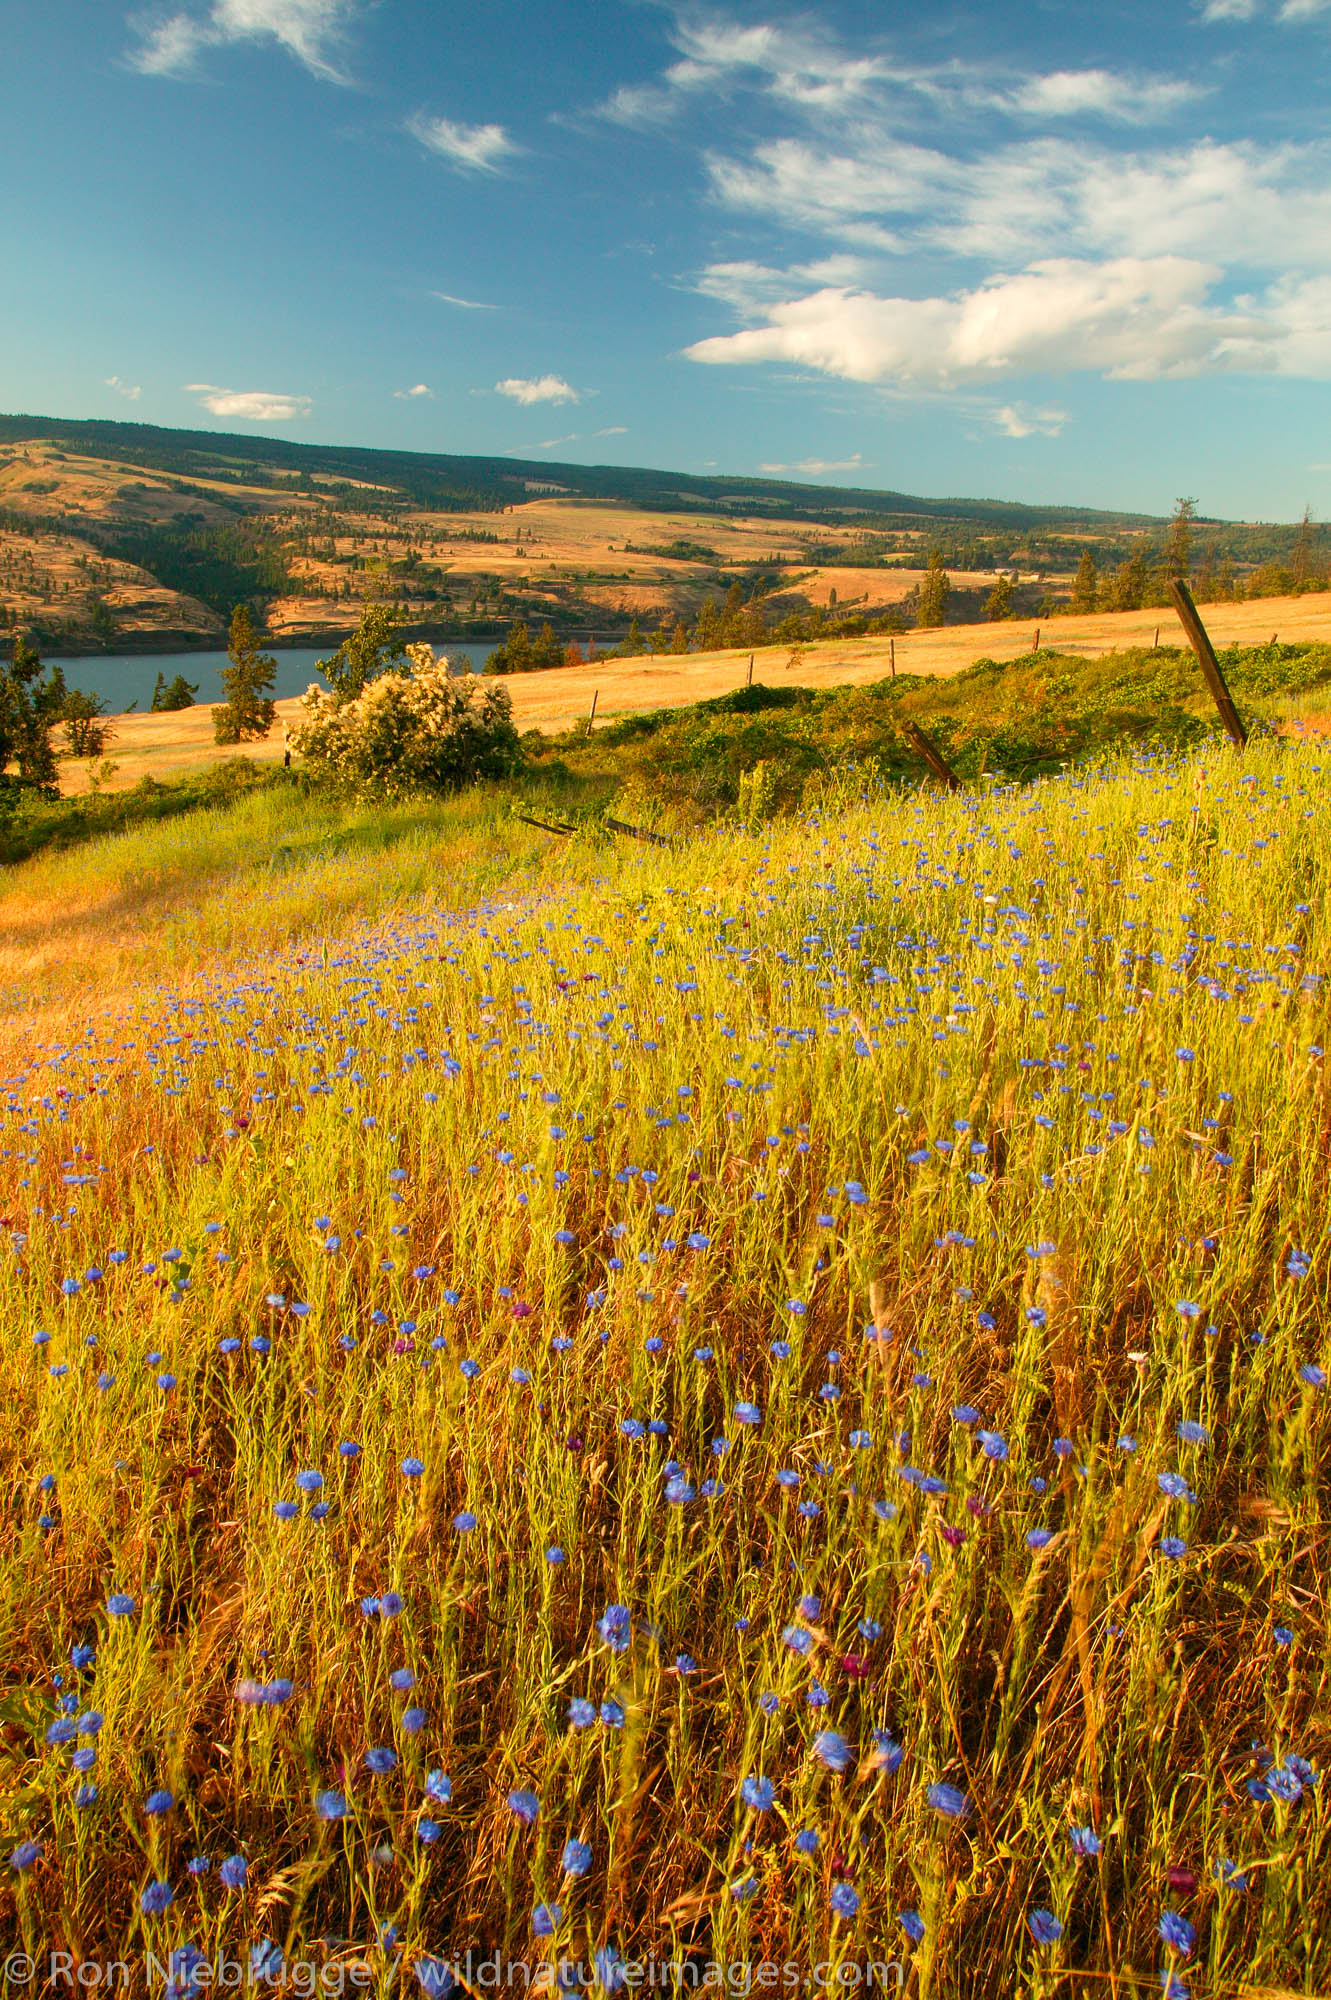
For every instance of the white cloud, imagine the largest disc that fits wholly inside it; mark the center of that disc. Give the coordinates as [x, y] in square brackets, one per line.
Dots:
[817, 467]
[1247, 10]
[468, 305]
[310, 30]
[129, 390]
[1070, 93]
[1015, 420]
[419, 389]
[256, 406]
[548, 444]
[612, 431]
[1128, 318]
[475, 148]
[540, 389]
[1267, 207]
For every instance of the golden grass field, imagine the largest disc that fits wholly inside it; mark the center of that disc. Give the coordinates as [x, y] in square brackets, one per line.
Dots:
[163, 746]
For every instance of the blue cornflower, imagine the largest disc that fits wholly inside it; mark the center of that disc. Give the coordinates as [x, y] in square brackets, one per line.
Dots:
[524, 1806]
[233, 1871]
[412, 1468]
[615, 1627]
[157, 1803]
[1044, 1926]
[831, 1748]
[843, 1901]
[330, 1805]
[1177, 1932]
[946, 1799]
[24, 1855]
[381, 1762]
[438, 1787]
[309, 1482]
[120, 1604]
[581, 1712]
[464, 1522]
[758, 1794]
[807, 1841]
[156, 1899]
[993, 1444]
[576, 1858]
[1085, 1841]
[748, 1413]
[546, 1919]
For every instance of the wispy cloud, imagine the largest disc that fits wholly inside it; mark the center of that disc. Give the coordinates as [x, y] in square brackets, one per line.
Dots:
[130, 390]
[479, 149]
[612, 431]
[1071, 93]
[256, 406]
[537, 389]
[818, 467]
[418, 389]
[1015, 420]
[170, 44]
[548, 444]
[468, 305]
[1247, 10]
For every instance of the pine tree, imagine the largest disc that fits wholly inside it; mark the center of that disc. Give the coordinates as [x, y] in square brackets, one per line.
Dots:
[1301, 554]
[376, 645]
[249, 709]
[1178, 547]
[707, 631]
[1131, 582]
[998, 604]
[29, 706]
[679, 638]
[931, 606]
[1086, 584]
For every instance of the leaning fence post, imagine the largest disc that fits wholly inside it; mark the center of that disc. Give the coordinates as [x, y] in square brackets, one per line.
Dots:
[931, 755]
[1200, 642]
[591, 712]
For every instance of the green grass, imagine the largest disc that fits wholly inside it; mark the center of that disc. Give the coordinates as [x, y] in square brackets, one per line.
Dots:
[772, 1024]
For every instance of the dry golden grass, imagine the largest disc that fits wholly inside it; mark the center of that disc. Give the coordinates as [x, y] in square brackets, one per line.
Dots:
[163, 746]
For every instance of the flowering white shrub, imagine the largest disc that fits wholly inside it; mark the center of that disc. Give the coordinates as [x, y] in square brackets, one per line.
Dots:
[421, 731]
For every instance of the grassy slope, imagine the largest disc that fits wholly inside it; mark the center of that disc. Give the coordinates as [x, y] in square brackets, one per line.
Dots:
[805, 1036]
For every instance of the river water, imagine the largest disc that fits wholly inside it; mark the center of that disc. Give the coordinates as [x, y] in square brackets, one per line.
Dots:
[124, 680]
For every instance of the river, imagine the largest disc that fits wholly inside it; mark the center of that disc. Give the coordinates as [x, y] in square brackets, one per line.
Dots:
[125, 680]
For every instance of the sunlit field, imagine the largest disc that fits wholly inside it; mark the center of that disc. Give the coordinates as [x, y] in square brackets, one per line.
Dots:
[759, 1401]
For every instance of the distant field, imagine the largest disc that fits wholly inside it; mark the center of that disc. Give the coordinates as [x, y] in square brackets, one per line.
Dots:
[164, 745]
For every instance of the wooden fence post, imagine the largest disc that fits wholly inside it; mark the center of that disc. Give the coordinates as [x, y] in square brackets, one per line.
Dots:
[931, 755]
[748, 681]
[892, 656]
[591, 713]
[1200, 642]
[1035, 643]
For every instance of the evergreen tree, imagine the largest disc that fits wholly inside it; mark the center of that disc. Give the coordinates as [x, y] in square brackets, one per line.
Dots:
[998, 604]
[732, 616]
[707, 631]
[249, 709]
[931, 606]
[376, 645]
[169, 695]
[1301, 554]
[1178, 547]
[1086, 584]
[679, 638]
[29, 706]
[1131, 583]
[633, 644]
[86, 730]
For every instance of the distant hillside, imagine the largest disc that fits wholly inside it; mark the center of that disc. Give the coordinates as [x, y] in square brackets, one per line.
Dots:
[454, 482]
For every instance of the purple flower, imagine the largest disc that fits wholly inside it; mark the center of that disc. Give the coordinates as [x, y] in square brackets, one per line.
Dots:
[524, 1806]
[1044, 1926]
[946, 1799]
[1177, 1933]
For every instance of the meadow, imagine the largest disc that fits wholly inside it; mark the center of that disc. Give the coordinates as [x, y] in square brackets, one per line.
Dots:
[763, 1400]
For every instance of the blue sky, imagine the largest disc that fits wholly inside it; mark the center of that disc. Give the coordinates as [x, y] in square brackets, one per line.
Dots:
[1061, 252]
